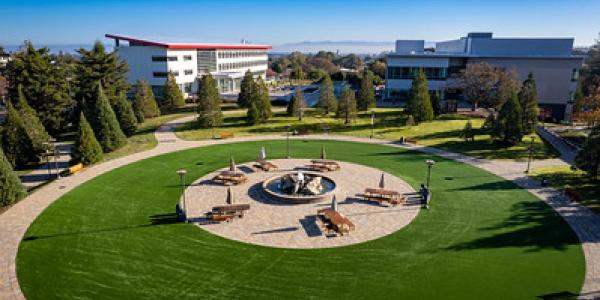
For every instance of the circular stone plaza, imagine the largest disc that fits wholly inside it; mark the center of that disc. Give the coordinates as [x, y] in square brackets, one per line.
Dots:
[239, 219]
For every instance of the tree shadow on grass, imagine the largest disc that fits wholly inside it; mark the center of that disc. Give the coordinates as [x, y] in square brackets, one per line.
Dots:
[532, 225]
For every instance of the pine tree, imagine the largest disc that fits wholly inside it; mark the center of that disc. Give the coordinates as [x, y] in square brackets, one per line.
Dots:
[436, 103]
[35, 129]
[247, 88]
[209, 103]
[327, 101]
[252, 115]
[172, 96]
[528, 100]
[262, 100]
[297, 104]
[579, 98]
[588, 157]
[87, 149]
[419, 103]
[468, 133]
[105, 124]
[508, 127]
[144, 103]
[366, 94]
[410, 121]
[347, 106]
[125, 115]
[11, 188]
[18, 146]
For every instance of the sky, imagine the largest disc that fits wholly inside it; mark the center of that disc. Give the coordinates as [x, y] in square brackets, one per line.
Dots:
[279, 22]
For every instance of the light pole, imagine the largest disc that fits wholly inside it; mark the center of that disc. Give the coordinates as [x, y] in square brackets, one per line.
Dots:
[181, 174]
[372, 124]
[530, 149]
[289, 128]
[430, 163]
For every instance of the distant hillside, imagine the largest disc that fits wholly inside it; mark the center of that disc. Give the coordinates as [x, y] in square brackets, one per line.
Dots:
[358, 47]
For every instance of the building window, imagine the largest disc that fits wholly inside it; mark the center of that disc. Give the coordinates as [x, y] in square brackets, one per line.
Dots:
[188, 72]
[187, 57]
[187, 87]
[160, 74]
[164, 58]
[575, 75]
[431, 73]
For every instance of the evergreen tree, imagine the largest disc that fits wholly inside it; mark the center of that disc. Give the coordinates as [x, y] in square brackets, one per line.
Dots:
[252, 115]
[16, 142]
[262, 100]
[327, 101]
[125, 115]
[436, 103]
[588, 157]
[144, 103]
[529, 104]
[410, 121]
[209, 103]
[11, 188]
[87, 149]
[468, 133]
[579, 98]
[247, 88]
[105, 124]
[508, 127]
[172, 96]
[419, 103]
[366, 94]
[34, 127]
[44, 84]
[347, 106]
[297, 104]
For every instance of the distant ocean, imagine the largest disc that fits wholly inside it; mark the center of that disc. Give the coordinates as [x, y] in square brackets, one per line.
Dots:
[56, 49]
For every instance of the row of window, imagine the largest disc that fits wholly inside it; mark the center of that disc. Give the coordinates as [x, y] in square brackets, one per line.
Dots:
[175, 73]
[431, 73]
[244, 53]
[160, 58]
[241, 65]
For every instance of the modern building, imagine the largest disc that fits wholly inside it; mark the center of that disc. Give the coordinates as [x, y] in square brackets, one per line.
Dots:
[152, 60]
[555, 68]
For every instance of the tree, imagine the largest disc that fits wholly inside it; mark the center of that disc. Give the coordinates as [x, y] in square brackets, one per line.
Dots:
[16, 142]
[34, 127]
[3, 89]
[297, 104]
[86, 150]
[378, 68]
[262, 100]
[478, 83]
[588, 157]
[297, 73]
[125, 115]
[366, 94]
[247, 88]
[528, 100]
[45, 86]
[436, 103]
[468, 133]
[105, 124]
[144, 103]
[508, 127]
[579, 98]
[419, 103]
[11, 188]
[209, 103]
[347, 106]
[252, 115]
[410, 121]
[172, 96]
[327, 101]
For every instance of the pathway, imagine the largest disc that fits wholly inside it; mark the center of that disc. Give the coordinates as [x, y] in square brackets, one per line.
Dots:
[15, 221]
[39, 175]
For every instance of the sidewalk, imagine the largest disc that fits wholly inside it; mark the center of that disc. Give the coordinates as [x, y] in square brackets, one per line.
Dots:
[41, 175]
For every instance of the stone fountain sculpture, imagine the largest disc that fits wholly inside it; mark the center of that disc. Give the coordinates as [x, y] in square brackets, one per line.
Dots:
[300, 184]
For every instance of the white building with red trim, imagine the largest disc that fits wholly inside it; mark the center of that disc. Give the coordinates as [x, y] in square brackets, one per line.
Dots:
[151, 60]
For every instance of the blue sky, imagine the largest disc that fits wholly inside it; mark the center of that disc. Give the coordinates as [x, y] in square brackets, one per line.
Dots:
[278, 22]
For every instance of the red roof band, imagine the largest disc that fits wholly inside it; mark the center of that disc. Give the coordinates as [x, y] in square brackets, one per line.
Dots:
[184, 46]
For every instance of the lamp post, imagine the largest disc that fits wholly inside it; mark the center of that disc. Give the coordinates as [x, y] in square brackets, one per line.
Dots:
[530, 149]
[429, 163]
[181, 174]
[372, 124]
[289, 128]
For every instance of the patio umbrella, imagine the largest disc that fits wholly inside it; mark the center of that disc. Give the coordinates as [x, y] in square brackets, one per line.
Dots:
[382, 181]
[323, 154]
[262, 155]
[229, 199]
[232, 166]
[334, 203]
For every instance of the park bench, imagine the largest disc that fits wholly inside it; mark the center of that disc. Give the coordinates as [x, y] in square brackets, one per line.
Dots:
[226, 135]
[227, 212]
[335, 221]
[411, 140]
[382, 195]
[230, 178]
[75, 168]
[265, 165]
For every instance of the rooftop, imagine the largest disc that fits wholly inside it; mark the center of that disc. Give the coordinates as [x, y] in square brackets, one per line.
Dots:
[138, 41]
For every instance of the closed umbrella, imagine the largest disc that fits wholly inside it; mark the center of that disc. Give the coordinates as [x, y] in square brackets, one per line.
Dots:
[323, 154]
[232, 166]
[382, 181]
[334, 204]
[262, 155]
[229, 199]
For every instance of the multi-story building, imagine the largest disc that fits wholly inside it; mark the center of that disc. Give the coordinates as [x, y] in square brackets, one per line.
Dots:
[152, 60]
[550, 60]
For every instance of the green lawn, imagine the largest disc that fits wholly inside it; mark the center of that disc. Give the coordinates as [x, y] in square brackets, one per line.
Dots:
[443, 133]
[115, 237]
[563, 176]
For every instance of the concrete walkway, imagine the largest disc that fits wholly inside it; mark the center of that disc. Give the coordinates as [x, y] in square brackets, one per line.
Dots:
[15, 221]
[40, 175]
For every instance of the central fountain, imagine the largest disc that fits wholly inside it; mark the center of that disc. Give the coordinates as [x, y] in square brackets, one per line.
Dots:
[299, 187]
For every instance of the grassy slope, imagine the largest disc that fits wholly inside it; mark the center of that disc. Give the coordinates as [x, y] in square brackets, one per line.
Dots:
[444, 134]
[113, 238]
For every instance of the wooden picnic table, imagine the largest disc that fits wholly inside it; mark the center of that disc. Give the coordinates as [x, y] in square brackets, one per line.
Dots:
[265, 165]
[230, 178]
[227, 212]
[338, 222]
[383, 195]
[323, 165]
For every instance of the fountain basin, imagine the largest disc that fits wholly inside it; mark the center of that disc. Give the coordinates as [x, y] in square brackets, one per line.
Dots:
[278, 188]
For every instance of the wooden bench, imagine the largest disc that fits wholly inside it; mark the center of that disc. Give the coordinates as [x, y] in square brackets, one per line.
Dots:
[230, 178]
[382, 195]
[265, 165]
[227, 212]
[335, 221]
[317, 168]
[411, 140]
[76, 168]
[329, 164]
[225, 135]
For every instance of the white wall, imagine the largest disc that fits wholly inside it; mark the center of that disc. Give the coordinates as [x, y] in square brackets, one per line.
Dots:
[141, 66]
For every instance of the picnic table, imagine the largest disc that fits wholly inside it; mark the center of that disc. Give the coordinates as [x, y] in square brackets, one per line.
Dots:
[265, 165]
[323, 165]
[230, 178]
[227, 212]
[382, 195]
[335, 221]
